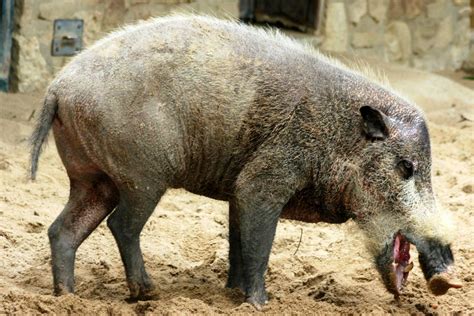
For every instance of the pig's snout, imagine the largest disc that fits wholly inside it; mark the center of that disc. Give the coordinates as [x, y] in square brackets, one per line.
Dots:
[440, 283]
[436, 260]
[437, 264]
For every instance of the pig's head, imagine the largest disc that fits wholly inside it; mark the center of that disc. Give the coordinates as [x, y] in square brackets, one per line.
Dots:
[390, 196]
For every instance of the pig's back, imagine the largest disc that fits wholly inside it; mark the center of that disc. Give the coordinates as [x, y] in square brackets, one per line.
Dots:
[175, 91]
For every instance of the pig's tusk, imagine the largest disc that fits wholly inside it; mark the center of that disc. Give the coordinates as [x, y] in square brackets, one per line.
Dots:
[409, 267]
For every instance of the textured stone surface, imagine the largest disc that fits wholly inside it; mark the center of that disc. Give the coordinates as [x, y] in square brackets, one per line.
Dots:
[465, 12]
[50, 10]
[462, 33]
[31, 69]
[93, 24]
[457, 56]
[378, 9]
[364, 39]
[468, 64]
[414, 8]
[431, 62]
[115, 10]
[427, 34]
[438, 9]
[395, 9]
[367, 24]
[426, 28]
[461, 2]
[398, 42]
[422, 45]
[145, 11]
[336, 28]
[356, 9]
[445, 34]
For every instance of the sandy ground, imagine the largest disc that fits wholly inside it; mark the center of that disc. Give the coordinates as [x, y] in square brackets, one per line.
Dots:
[185, 244]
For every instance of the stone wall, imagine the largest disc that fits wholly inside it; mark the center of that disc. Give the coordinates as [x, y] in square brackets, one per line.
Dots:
[426, 34]
[34, 67]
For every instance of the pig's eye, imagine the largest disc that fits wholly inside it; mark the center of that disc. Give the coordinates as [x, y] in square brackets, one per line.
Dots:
[406, 168]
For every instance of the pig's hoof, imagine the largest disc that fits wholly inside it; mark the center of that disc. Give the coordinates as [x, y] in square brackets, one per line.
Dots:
[143, 297]
[258, 301]
[62, 289]
[440, 283]
[141, 292]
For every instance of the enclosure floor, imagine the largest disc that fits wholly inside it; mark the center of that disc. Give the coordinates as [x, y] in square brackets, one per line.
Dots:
[185, 241]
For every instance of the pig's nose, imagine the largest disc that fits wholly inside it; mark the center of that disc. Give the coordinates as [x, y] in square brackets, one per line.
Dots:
[440, 283]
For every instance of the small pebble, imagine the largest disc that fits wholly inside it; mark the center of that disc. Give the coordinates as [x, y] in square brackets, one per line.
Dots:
[467, 189]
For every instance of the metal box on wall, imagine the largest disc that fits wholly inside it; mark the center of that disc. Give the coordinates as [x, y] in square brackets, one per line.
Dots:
[67, 37]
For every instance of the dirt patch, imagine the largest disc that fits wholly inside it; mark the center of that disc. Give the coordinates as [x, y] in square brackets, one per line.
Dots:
[185, 241]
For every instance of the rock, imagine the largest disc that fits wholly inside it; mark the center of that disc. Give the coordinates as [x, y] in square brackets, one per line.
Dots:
[336, 28]
[467, 189]
[227, 8]
[367, 24]
[465, 12]
[445, 33]
[129, 3]
[462, 34]
[422, 45]
[405, 8]
[356, 10]
[424, 31]
[92, 25]
[395, 10]
[429, 62]
[364, 39]
[31, 69]
[51, 10]
[468, 65]
[437, 10]
[145, 11]
[463, 45]
[378, 9]
[115, 14]
[397, 41]
[29, 10]
[413, 8]
[57, 9]
[4, 165]
[427, 28]
[40, 28]
[170, 1]
[458, 55]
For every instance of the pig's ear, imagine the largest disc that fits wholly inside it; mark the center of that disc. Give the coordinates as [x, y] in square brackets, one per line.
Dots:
[374, 123]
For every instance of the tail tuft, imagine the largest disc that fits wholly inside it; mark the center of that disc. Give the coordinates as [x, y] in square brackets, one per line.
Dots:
[40, 134]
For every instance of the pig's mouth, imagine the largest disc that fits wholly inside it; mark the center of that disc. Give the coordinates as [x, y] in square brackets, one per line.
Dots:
[401, 264]
[436, 261]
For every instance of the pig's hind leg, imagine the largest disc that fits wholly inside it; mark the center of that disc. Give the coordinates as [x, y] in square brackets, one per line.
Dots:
[91, 199]
[126, 224]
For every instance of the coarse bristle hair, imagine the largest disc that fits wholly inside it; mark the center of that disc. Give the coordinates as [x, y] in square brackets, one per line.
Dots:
[357, 67]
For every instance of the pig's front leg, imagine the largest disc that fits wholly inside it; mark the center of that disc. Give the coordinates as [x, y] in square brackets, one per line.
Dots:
[262, 190]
